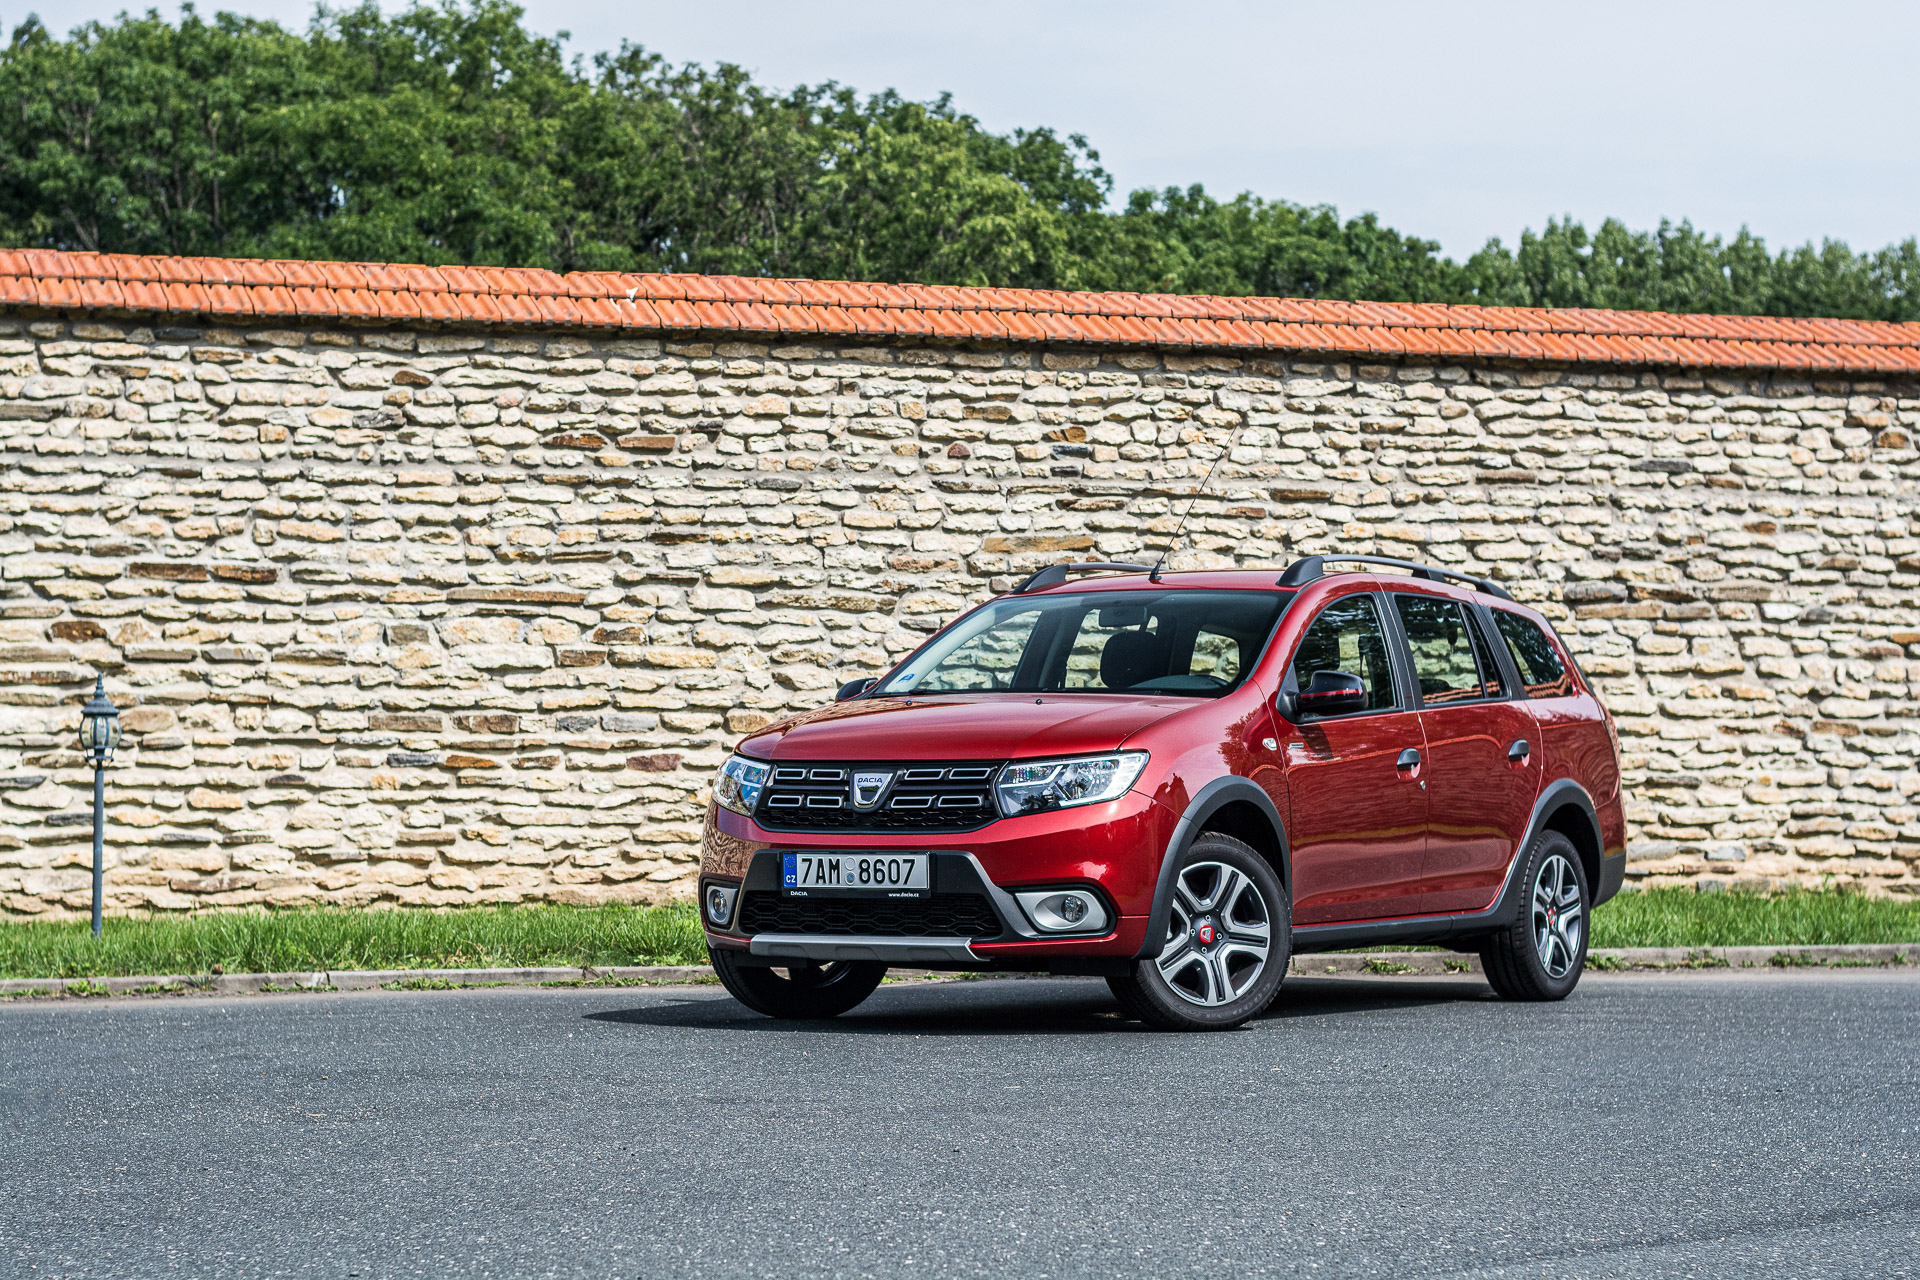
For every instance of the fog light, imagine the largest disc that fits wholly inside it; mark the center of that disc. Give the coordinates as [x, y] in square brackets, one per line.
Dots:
[1063, 910]
[720, 904]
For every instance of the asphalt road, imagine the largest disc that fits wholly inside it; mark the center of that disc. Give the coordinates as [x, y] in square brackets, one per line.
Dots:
[1683, 1125]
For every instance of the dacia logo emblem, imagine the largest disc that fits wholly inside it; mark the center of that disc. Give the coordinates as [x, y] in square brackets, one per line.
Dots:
[869, 787]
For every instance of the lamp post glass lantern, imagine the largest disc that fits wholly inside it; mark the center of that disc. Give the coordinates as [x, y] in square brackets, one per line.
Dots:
[99, 735]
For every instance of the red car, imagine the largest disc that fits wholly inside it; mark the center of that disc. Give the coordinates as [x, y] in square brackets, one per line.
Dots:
[1176, 783]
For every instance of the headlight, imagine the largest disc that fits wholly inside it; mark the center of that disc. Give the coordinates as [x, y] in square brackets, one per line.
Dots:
[1055, 784]
[740, 782]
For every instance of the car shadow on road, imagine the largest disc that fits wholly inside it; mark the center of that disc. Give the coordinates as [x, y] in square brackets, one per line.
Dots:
[1046, 1006]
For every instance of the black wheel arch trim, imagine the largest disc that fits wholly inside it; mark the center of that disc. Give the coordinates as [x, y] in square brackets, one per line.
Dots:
[1206, 802]
[1555, 796]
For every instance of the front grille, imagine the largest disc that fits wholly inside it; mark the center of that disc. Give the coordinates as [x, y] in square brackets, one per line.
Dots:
[944, 915]
[913, 797]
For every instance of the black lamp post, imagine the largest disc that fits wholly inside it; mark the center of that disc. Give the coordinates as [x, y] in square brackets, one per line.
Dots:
[99, 735]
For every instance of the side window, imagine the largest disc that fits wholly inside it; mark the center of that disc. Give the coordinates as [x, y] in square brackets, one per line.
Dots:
[1346, 636]
[1540, 667]
[987, 661]
[1446, 656]
[1489, 669]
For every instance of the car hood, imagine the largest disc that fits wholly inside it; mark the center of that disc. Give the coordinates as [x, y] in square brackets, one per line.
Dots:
[1004, 726]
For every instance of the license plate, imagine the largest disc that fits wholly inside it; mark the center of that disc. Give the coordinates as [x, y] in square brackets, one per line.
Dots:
[891, 875]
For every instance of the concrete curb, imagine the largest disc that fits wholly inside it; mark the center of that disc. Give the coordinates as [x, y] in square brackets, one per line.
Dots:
[1369, 963]
[226, 984]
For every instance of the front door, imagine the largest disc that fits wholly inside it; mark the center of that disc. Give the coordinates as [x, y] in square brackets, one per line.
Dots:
[1355, 782]
[1483, 755]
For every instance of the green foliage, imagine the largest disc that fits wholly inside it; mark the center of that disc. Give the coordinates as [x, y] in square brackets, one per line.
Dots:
[1685, 918]
[332, 938]
[452, 134]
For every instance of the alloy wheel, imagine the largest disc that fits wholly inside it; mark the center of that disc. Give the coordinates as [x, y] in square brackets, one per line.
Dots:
[1218, 937]
[1559, 917]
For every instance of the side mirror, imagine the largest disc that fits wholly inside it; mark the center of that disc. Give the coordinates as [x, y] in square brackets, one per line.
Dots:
[854, 688]
[1332, 693]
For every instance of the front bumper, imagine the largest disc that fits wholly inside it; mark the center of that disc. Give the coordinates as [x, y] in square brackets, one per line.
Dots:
[1113, 848]
[905, 949]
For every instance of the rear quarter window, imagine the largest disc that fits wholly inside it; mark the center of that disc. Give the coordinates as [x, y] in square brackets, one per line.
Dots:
[1541, 670]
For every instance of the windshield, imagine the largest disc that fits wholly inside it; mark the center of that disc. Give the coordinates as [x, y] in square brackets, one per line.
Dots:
[1193, 643]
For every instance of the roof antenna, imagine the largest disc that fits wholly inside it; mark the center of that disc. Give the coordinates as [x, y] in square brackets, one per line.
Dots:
[1154, 575]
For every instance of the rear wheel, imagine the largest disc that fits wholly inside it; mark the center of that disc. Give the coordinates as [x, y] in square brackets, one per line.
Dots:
[1225, 952]
[804, 989]
[1541, 955]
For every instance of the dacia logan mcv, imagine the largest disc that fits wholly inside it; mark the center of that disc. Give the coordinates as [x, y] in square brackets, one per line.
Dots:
[1177, 782]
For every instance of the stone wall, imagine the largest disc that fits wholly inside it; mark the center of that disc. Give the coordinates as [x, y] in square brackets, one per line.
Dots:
[450, 617]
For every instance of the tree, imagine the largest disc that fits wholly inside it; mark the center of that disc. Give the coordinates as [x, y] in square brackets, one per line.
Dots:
[452, 134]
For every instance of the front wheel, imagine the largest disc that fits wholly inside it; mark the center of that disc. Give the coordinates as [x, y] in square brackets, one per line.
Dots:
[1228, 939]
[1540, 955]
[804, 989]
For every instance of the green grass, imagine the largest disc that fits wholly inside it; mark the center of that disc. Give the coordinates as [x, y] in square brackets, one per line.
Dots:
[328, 938]
[526, 937]
[1684, 918]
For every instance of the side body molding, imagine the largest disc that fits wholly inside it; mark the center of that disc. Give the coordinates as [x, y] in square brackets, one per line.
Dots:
[1210, 799]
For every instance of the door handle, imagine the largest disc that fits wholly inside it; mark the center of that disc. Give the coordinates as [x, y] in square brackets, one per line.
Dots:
[1409, 759]
[1519, 751]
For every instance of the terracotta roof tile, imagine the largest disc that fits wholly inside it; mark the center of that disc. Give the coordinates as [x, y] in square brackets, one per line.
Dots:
[397, 304]
[59, 291]
[599, 312]
[754, 316]
[1525, 346]
[229, 300]
[436, 305]
[287, 290]
[592, 284]
[273, 300]
[736, 288]
[793, 318]
[539, 280]
[306, 302]
[356, 304]
[676, 313]
[1097, 328]
[465, 280]
[639, 312]
[557, 308]
[516, 308]
[701, 289]
[812, 292]
[950, 324]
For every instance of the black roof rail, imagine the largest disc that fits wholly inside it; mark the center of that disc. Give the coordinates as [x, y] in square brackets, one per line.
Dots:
[1055, 574]
[1307, 568]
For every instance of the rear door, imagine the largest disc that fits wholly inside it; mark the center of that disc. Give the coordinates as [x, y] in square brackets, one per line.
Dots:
[1357, 799]
[1483, 752]
[1573, 727]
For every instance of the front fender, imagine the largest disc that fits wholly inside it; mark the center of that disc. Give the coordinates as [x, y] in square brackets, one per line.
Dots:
[1206, 802]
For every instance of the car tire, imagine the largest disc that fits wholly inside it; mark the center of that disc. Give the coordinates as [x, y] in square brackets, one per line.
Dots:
[800, 990]
[1541, 955]
[1201, 981]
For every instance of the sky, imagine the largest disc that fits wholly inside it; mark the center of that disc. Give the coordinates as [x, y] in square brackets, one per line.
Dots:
[1452, 121]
